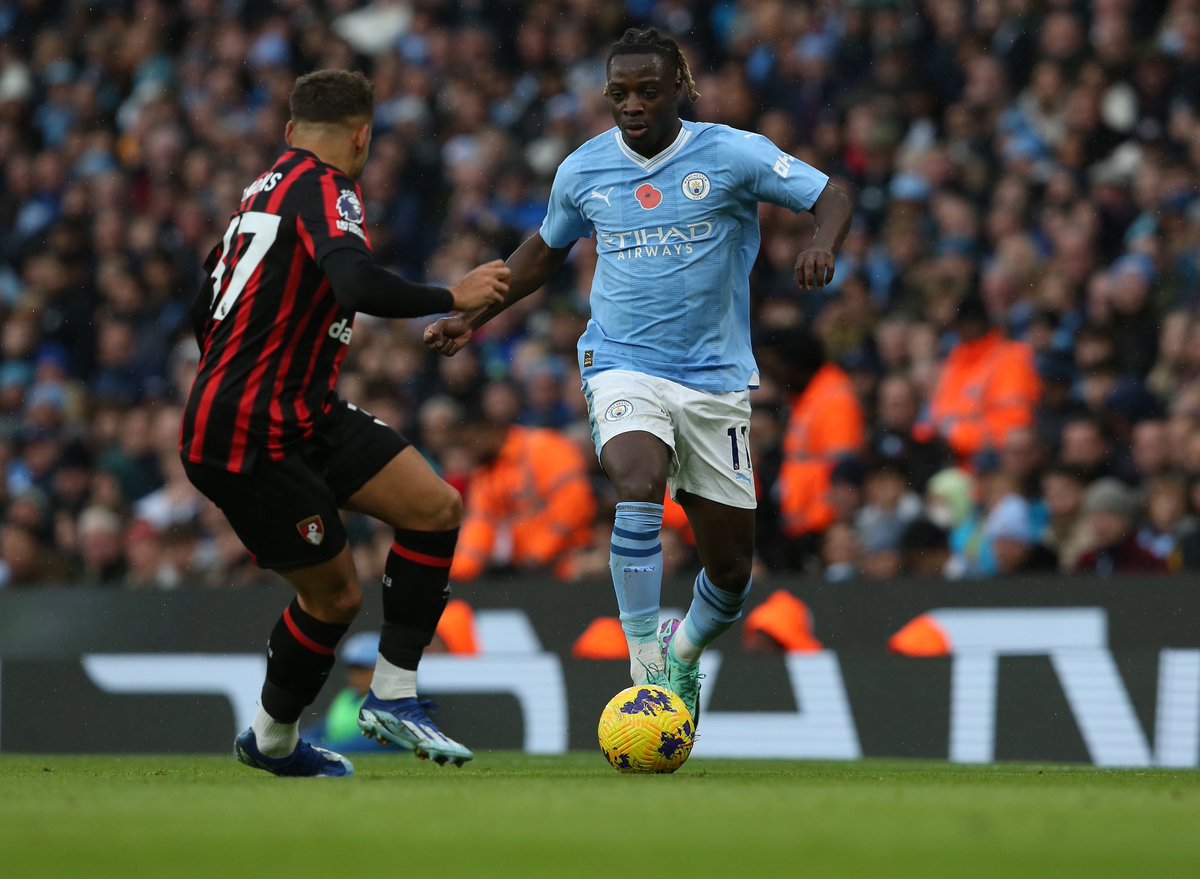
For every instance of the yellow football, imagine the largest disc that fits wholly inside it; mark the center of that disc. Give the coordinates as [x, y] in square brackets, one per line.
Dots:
[646, 729]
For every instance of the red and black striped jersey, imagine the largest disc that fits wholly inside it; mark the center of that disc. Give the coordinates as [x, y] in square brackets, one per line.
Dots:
[272, 335]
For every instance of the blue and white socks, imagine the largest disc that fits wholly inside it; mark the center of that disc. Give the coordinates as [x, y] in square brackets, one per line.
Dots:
[712, 612]
[635, 560]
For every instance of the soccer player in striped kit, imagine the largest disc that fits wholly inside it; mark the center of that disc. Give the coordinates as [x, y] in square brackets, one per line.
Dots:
[266, 437]
[666, 358]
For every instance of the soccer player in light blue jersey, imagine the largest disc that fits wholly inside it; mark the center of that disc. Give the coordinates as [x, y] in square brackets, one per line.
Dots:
[666, 358]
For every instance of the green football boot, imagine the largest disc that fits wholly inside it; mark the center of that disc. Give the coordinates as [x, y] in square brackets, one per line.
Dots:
[681, 679]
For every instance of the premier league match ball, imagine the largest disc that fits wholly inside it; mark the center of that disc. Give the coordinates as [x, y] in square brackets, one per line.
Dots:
[646, 729]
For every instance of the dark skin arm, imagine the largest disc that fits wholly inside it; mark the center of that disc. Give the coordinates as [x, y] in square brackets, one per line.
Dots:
[832, 211]
[532, 265]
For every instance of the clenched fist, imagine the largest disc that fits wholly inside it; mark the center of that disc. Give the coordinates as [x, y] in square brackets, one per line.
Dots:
[448, 335]
[814, 268]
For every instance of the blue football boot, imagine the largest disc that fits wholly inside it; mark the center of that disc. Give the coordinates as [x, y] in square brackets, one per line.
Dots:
[307, 761]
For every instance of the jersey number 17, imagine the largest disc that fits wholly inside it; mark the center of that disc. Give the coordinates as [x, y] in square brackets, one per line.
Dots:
[262, 229]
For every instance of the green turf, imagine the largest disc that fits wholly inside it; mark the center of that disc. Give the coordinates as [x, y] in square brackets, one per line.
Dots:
[511, 815]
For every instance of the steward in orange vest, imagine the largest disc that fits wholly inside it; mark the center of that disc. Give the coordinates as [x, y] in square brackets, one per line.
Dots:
[988, 386]
[826, 424]
[529, 504]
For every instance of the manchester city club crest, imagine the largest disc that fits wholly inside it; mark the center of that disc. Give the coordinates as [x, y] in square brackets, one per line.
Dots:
[312, 529]
[618, 410]
[696, 186]
[349, 208]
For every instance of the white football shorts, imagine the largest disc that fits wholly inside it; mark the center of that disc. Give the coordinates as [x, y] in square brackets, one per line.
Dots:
[708, 434]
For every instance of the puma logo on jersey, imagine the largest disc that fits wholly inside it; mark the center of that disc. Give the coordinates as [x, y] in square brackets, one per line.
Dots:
[604, 197]
[342, 331]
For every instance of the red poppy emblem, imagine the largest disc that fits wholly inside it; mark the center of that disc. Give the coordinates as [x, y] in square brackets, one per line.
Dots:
[648, 197]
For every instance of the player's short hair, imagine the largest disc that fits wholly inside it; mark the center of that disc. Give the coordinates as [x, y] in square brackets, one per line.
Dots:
[648, 41]
[331, 96]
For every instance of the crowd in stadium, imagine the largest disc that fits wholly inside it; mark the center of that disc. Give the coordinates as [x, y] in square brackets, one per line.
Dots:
[1010, 379]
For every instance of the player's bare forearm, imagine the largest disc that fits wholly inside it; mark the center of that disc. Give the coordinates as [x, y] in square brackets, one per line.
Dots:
[832, 212]
[532, 265]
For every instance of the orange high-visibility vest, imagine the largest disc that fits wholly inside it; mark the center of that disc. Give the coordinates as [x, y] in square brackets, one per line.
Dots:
[987, 389]
[826, 423]
[534, 503]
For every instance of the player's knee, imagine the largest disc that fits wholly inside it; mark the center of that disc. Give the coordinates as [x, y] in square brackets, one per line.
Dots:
[730, 575]
[340, 604]
[639, 489]
[348, 602]
[447, 513]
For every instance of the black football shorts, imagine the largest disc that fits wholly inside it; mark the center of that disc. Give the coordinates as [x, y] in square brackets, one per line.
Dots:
[286, 512]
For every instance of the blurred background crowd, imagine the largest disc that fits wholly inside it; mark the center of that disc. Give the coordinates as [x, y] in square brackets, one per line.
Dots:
[1008, 361]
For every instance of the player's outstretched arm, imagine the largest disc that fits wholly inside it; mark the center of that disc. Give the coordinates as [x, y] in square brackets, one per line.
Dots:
[532, 265]
[362, 285]
[482, 287]
[832, 211]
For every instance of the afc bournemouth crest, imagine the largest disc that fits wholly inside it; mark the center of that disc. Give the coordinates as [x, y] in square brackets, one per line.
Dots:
[696, 186]
[312, 529]
[349, 208]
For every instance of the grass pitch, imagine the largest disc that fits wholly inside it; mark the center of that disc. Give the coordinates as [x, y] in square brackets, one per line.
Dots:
[512, 815]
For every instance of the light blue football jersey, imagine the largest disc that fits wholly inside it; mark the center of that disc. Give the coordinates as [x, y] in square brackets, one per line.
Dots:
[677, 235]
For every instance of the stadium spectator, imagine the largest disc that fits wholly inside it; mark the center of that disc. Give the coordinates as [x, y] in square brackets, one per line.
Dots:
[1113, 512]
[847, 484]
[339, 730]
[24, 561]
[1000, 539]
[1150, 450]
[925, 549]
[826, 422]
[100, 547]
[896, 434]
[1167, 522]
[529, 502]
[147, 562]
[1066, 533]
[1023, 145]
[890, 507]
[1021, 460]
[987, 388]
[1087, 446]
[841, 553]
[950, 498]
